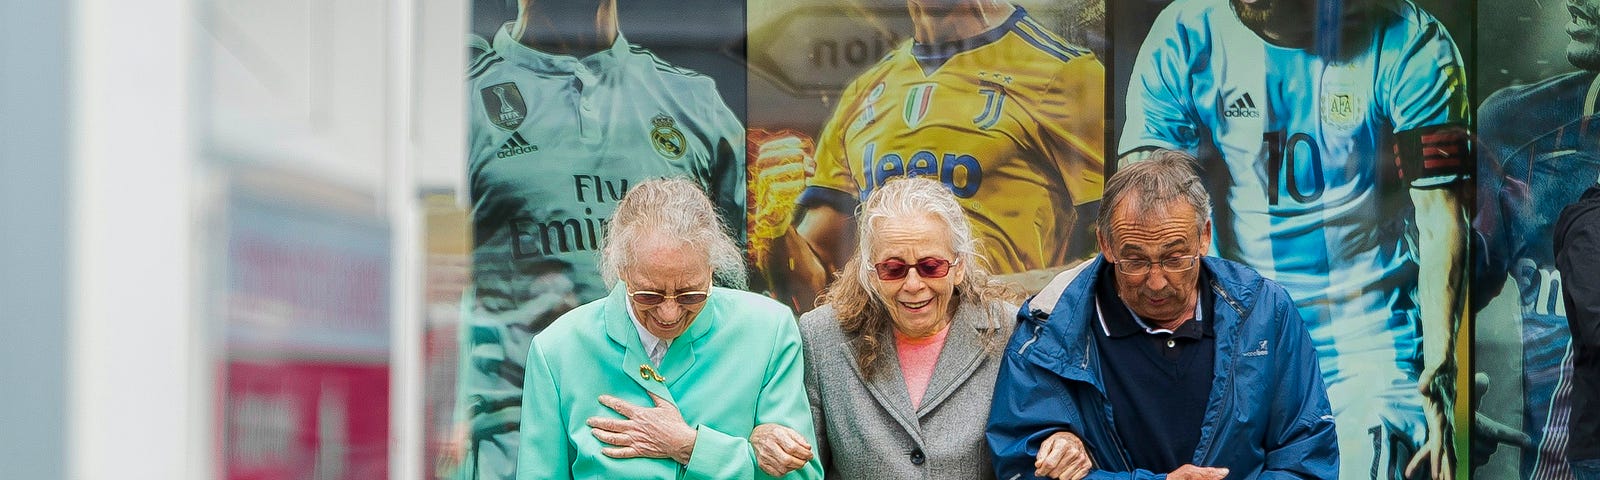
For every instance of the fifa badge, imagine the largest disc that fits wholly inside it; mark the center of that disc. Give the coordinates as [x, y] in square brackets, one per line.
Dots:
[666, 137]
[504, 106]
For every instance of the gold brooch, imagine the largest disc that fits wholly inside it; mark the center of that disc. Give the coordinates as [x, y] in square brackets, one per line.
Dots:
[648, 373]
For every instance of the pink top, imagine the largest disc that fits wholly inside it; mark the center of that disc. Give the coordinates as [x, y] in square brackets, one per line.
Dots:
[917, 358]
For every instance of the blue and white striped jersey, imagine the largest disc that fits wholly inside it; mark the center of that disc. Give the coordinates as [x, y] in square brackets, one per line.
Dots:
[1306, 187]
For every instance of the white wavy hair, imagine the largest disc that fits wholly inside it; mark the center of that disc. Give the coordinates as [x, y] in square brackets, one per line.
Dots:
[674, 210]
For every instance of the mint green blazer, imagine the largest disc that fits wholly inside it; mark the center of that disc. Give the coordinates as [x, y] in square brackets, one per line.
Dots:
[737, 366]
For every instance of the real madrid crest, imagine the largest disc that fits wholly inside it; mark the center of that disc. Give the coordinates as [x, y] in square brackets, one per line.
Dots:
[504, 105]
[665, 136]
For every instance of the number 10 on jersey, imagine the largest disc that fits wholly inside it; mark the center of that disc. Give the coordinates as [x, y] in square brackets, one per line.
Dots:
[1293, 166]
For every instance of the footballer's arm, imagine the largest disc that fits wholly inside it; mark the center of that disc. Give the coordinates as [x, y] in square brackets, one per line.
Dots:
[819, 244]
[796, 243]
[1441, 228]
[1435, 161]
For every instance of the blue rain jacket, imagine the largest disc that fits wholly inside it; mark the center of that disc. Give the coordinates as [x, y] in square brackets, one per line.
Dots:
[1267, 417]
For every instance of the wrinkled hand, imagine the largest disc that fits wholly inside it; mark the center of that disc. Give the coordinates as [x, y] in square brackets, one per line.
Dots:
[654, 432]
[779, 449]
[1435, 457]
[1488, 434]
[1062, 457]
[1191, 472]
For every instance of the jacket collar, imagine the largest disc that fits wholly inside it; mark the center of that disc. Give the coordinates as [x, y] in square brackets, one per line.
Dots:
[1119, 321]
[680, 356]
[1063, 313]
[962, 354]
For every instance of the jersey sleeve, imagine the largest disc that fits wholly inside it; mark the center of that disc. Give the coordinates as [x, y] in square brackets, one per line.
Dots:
[832, 184]
[1429, 86]
[1073, 129]
[1160, 113]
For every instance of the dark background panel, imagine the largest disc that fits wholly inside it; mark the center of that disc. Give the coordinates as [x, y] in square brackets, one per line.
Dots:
[706, 36]
[1524, 41]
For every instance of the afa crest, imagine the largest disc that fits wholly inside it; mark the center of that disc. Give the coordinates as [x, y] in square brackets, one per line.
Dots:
[504, 105]
[1345, 96]
[1342, 110]
[666, 137]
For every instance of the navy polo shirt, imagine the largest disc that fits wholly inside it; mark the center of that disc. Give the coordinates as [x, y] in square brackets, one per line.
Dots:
[1157, 381]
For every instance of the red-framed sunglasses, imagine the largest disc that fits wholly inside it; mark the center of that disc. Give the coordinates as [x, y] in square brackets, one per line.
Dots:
[927, 267]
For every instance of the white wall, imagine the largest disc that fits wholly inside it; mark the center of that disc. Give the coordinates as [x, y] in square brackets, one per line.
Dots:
[121, 125]
[136, 378]
[33, 236]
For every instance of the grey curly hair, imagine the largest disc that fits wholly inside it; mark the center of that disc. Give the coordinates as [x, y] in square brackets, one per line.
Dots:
[863, 312]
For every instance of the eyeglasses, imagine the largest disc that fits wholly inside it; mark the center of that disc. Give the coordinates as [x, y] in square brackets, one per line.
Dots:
[650, 299]
[929, 267]
[1169, 264]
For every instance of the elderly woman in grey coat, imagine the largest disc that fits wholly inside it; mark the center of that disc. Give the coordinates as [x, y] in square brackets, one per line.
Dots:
[901, 360]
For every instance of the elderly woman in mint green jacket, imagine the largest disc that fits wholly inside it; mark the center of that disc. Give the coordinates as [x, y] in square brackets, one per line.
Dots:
[668, 376]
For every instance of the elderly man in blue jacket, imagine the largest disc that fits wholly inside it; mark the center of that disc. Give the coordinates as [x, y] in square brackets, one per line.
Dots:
[1155, 361]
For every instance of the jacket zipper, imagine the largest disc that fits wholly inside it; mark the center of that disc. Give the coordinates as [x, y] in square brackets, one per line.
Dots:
[1030, 341]
[1233, 367]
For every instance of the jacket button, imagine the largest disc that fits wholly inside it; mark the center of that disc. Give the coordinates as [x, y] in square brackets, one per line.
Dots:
[917, 458]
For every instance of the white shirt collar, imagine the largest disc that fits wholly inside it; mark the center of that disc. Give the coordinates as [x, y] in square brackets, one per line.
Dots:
[645, 337]
[1199, 315]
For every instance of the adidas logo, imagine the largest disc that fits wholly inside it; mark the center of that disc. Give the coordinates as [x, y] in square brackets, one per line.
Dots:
[1242, 107]
[516, 145]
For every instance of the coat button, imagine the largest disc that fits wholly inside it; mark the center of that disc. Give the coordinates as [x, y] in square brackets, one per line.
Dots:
[917, 458]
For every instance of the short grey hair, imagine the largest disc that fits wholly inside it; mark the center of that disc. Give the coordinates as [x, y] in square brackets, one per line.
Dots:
[674, 210]
[1160, 177]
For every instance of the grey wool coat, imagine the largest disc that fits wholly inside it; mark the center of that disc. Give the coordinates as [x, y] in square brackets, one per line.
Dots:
[866, 429]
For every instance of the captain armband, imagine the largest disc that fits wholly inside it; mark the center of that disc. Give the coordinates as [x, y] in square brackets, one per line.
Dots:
[1433, 157]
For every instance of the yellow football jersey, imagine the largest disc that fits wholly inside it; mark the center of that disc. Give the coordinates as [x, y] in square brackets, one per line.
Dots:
[1012, 120]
